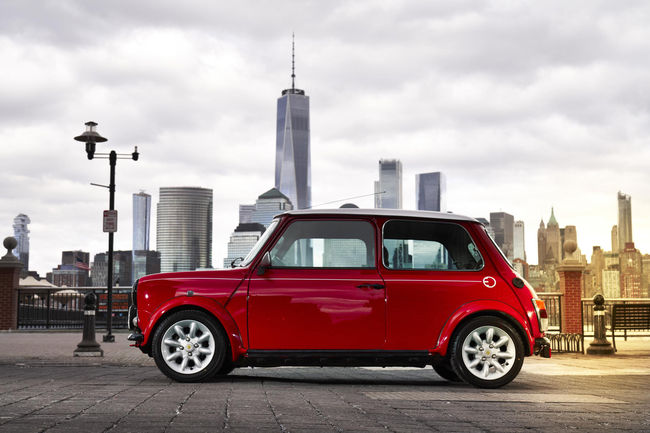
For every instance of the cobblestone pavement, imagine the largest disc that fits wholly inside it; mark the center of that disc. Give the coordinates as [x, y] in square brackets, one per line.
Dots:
[566, 392]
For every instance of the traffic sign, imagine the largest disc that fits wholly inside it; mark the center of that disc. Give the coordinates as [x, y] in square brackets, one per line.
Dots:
[110, 221]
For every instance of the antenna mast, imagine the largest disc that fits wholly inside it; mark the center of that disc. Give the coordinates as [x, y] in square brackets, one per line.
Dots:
[293, 62]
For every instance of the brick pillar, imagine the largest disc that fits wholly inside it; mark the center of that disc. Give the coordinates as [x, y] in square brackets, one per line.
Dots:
[571, 275]
[10, 268]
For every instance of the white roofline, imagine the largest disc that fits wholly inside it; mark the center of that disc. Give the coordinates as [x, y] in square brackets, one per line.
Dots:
[398, 213]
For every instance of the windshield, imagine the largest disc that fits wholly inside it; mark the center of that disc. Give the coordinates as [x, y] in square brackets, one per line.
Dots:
[260, 243]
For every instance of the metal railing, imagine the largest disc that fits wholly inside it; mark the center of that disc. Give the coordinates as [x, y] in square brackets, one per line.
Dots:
[63, 308]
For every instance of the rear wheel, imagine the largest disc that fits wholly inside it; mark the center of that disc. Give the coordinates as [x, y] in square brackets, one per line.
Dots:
[189, 346]
[487, 352]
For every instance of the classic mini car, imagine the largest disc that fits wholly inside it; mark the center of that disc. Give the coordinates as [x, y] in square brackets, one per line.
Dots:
[348, 287]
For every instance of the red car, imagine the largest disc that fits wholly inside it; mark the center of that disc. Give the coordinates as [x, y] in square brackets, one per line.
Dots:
[348, 287]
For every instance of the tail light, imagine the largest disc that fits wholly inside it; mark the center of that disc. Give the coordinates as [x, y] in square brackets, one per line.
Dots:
[542, 315]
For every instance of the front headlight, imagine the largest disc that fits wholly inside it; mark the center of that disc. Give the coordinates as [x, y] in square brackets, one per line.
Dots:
[542, 315]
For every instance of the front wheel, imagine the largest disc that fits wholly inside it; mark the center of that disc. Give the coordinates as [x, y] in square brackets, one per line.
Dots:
[189, 346]
[487, 352]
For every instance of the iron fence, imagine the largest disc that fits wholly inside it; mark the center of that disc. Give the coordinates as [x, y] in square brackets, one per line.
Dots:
[63, 308]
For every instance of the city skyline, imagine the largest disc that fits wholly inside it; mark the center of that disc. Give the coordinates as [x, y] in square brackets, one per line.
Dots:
[555, 120]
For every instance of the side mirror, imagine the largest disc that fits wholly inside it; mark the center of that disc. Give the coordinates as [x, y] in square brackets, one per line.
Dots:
[265, 263]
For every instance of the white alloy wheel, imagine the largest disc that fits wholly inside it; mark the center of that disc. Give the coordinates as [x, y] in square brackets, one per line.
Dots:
[187, 346]
[488, 352]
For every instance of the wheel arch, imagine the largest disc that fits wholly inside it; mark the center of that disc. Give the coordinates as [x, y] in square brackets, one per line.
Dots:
[470, 311]
[212, 308]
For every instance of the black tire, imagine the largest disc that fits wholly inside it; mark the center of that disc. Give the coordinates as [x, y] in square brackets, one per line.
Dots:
[225, 369]
[444, 369]
[185, 366]
[475, 362]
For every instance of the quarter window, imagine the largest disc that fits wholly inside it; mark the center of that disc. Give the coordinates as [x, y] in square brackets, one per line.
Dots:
[325, 244]
[429, 246]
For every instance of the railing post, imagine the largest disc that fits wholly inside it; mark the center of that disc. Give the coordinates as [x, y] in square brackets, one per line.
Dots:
[48, 311]
[600, 345]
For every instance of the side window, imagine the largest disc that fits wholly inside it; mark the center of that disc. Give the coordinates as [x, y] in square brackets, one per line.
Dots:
[325, 244]
[429, 245]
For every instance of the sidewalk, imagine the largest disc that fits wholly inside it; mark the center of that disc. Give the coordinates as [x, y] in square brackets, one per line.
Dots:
[56, 348]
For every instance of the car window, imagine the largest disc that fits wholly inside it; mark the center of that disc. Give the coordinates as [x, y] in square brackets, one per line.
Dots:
[325, 244]
[428, 245]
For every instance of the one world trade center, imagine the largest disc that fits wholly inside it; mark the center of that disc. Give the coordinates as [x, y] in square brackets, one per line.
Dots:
[292, 154]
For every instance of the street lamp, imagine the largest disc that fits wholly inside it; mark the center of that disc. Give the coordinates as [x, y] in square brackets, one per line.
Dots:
[90, 137]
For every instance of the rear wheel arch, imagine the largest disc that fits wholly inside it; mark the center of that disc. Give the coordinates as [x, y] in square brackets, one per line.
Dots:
[458, 320]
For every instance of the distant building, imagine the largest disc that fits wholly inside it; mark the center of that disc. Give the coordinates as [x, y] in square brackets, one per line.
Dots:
[242, 240]
[430, 191]
[624, 220]
[21, 233]
[597, 265]
[615, 239]
[645, 275]
[631, 271]
[611, 283]
[518, 242]
[122, 269]
[486, 224]
[145, 263]
[184, 228]
[503, 225]
[141, 231]
[292, 148]
[73, 270]
[388, 189]
[549, 243]
[267, 206]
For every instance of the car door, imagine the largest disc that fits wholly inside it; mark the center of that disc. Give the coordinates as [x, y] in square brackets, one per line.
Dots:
[322, 290]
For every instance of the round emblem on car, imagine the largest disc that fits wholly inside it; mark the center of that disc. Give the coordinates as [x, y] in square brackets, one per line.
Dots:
[489, 282]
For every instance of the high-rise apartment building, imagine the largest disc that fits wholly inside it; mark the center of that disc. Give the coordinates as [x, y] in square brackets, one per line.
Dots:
[597, 265]
[503, 225]
[430, 191]
[122, 269]
[624, 220]
[184, 228]
[21, 233]
[388, 189]
[614, 239]
[268, 205]
[518, 242]
[292, 145]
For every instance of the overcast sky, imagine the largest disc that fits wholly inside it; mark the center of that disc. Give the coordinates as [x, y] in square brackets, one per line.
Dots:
[523, 105]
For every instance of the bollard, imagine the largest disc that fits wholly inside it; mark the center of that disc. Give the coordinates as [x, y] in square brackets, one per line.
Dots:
[600, 345]
[89, 346]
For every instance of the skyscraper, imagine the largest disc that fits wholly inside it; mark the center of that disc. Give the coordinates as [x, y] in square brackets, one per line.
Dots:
[21, 233]
[430, 191]
[388, 189]
[519, 245]
[141, 229]
[141, 221]
[242, 241]
[624, 220]
[503, 224]
[292, 145]
[184, 228]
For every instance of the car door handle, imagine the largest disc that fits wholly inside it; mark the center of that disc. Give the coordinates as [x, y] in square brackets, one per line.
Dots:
[371, 286]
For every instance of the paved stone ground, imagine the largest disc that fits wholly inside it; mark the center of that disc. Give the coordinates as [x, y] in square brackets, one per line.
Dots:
[53, 392]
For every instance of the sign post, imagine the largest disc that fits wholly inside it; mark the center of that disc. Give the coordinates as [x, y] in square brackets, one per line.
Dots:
[110, 221]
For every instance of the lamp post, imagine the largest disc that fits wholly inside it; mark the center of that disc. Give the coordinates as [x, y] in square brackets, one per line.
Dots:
[91, 137]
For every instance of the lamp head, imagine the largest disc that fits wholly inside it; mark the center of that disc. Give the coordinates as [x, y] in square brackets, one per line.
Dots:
[90, 136]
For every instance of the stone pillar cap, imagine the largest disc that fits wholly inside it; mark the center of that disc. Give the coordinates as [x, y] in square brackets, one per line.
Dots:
[9, 259]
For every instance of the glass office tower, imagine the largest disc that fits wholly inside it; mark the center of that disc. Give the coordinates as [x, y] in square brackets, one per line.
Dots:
[184, 228]
[141, 230]
[21, 234]
[430, 191]
[292, 148]
[388, 189]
